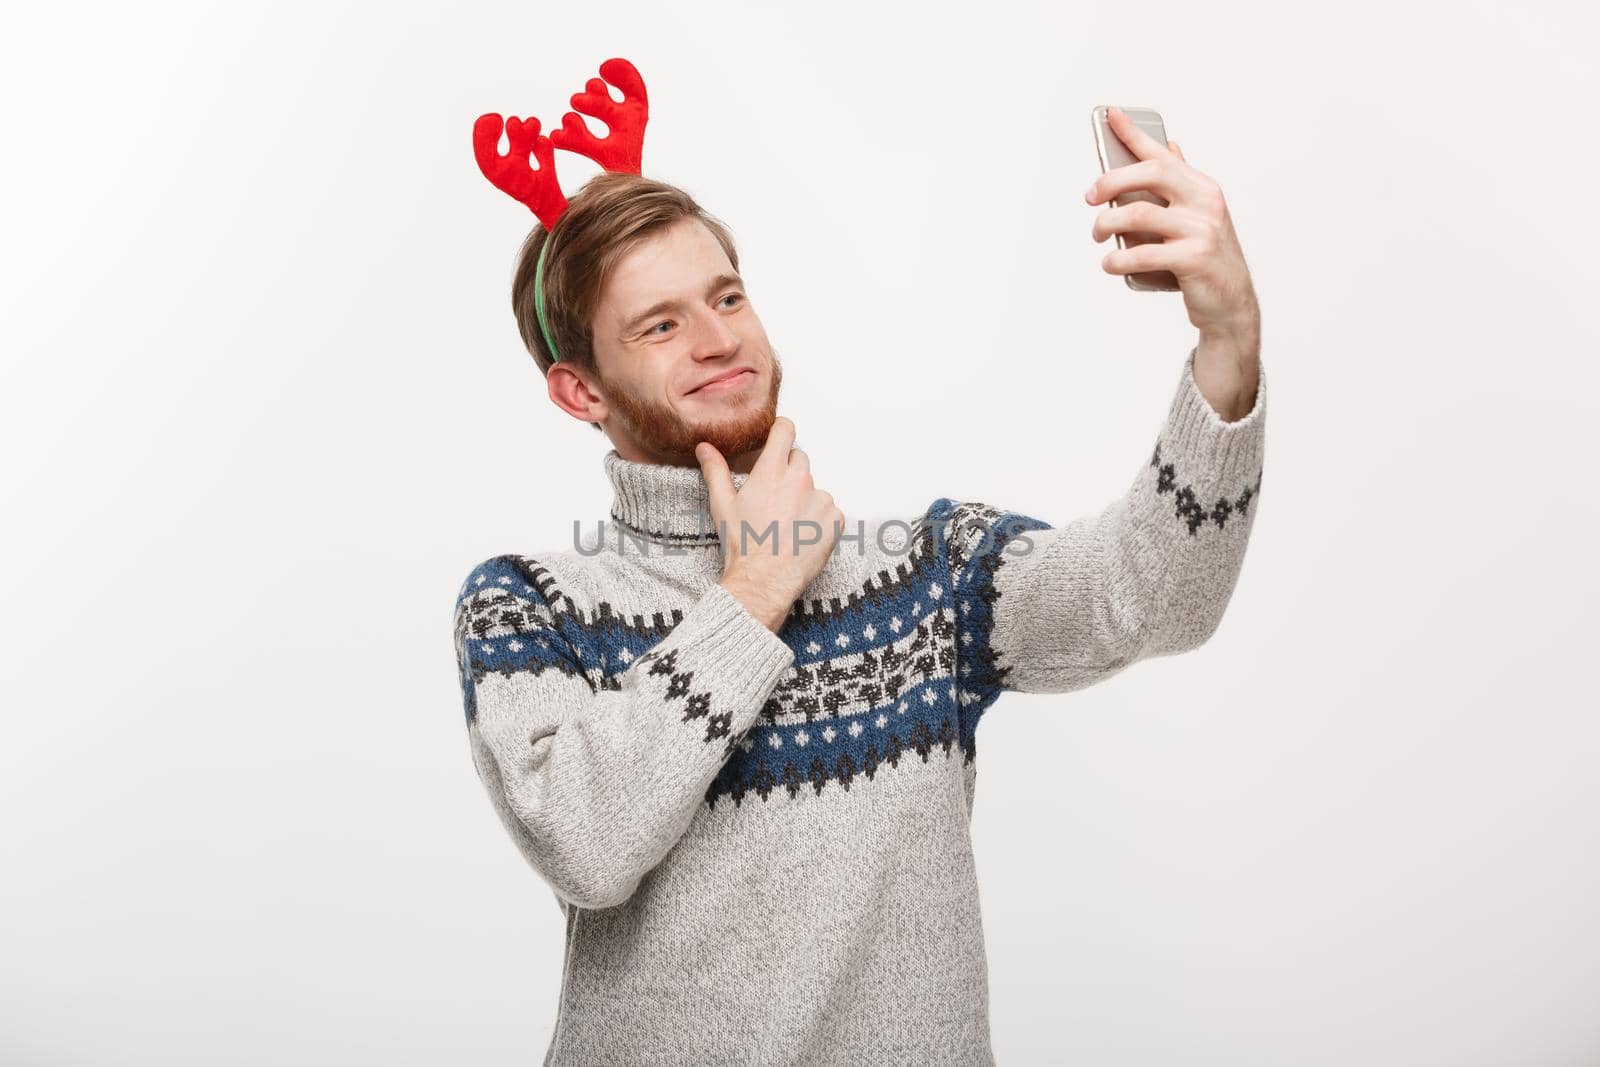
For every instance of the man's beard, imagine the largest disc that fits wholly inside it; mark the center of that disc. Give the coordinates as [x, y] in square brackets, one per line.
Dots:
[663, 432]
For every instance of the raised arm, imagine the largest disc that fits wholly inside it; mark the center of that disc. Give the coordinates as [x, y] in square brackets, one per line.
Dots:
[1041, 609]
[598, 775]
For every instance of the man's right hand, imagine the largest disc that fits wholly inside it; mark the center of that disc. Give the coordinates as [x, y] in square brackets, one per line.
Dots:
[762, 524]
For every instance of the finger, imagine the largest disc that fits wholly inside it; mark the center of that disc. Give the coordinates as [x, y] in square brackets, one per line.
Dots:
[1141, 259]
[1141, 216]
[1152, 175]
[799, 461]
[718, 481]
[1139, 143]
[1176, 150]
[775, 454]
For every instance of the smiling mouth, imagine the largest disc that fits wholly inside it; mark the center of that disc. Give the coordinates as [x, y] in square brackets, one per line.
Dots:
[721, 383]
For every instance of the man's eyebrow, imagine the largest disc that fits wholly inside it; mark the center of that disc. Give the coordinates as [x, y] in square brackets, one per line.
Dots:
[720, 281]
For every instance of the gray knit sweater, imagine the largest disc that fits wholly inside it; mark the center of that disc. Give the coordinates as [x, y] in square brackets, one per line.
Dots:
[760, 842]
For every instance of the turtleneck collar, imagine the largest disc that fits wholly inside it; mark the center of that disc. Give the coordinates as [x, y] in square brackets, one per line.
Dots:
[663, 502]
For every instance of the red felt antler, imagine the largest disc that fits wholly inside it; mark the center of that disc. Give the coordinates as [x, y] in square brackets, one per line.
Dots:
[512, 173]
[622, 149]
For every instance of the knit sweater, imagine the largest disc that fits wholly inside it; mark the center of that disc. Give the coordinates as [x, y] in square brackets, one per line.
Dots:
[760, 842]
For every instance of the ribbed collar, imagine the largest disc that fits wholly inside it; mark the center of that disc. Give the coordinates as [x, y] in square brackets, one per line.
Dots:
[665, 503]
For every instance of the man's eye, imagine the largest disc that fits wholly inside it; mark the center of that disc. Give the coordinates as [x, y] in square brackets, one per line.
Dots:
[668, 322]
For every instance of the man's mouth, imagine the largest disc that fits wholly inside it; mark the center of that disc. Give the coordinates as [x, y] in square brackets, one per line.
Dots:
[726, 381]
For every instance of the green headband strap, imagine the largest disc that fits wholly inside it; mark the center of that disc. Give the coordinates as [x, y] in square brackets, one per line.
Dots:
[538, 300]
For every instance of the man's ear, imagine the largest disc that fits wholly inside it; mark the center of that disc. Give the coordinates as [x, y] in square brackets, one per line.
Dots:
[575, 391]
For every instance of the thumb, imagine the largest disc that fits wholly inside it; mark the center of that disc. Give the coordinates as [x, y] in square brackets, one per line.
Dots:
[718, 481]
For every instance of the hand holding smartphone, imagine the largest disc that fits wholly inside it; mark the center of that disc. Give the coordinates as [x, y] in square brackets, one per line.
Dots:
[1113, 153]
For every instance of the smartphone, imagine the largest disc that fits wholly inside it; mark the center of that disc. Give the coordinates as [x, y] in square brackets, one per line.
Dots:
[1113, 153]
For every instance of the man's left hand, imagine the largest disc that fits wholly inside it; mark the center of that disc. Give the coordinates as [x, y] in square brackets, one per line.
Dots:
[1198, 246]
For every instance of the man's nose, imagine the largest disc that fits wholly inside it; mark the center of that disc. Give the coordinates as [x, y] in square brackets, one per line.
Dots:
[713, 336]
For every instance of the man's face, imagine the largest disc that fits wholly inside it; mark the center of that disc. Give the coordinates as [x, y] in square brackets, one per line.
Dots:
[673, 318]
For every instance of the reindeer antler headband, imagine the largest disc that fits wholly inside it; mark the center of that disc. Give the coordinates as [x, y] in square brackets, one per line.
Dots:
[620, 150]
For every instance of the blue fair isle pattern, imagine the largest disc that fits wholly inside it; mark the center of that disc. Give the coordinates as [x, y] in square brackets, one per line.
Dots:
[901, 668]
[937, 684]
[511, 617]
[978, 543]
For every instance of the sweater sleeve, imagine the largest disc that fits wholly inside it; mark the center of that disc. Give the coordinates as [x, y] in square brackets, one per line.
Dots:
[597, 776]
[1041, 609]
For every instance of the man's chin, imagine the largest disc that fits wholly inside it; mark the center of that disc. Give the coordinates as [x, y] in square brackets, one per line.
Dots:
[734, 436]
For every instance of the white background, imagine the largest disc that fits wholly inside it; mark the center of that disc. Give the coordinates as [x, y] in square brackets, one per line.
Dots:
[265, 406]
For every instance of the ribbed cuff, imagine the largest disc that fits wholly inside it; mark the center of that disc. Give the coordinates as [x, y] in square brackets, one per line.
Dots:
[1212, 453]
[733, 648]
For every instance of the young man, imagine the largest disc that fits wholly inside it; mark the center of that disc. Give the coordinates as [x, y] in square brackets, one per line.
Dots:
[746, 766]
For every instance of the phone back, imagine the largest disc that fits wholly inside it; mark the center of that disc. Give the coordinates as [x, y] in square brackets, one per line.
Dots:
[1113, 153]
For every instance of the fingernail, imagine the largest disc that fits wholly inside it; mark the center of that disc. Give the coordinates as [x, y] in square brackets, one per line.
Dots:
[1089, 196]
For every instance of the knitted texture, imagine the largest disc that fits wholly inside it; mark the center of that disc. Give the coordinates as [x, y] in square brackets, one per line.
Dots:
[761, 842]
